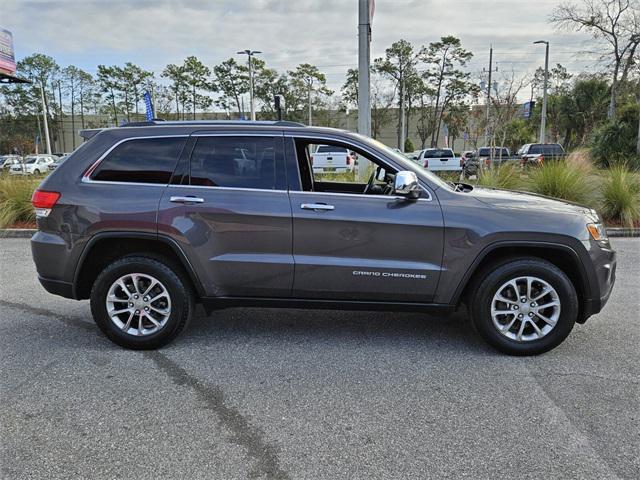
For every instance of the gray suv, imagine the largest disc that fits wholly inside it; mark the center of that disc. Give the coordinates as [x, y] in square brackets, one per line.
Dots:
[149, 219]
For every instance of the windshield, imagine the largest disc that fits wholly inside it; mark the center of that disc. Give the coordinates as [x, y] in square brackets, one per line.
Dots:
[404, 162]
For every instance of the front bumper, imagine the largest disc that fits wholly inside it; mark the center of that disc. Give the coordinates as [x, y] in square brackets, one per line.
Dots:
[604, 260]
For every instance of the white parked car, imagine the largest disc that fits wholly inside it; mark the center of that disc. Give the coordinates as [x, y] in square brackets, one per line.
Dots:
[7, 161]
[439, 159]
[33, 165]
[331, 158]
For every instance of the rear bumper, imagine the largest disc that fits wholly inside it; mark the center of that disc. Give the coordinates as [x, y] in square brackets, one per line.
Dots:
[57, 287]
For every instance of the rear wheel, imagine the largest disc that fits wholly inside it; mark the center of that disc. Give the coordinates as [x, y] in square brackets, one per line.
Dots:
[36, 172]
[141, 303]
[524, 306]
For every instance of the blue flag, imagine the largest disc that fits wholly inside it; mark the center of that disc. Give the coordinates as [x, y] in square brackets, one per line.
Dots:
[149, 106]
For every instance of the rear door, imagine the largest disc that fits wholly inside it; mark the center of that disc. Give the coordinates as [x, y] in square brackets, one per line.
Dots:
[227, 207]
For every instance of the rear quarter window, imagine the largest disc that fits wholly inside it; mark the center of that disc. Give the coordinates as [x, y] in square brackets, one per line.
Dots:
[144, 160]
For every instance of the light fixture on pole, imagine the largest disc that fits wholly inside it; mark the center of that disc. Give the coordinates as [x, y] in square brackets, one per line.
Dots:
[543, 115]
[250, 53]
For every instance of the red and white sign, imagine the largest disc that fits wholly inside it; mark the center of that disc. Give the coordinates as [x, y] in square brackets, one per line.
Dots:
[7, 56]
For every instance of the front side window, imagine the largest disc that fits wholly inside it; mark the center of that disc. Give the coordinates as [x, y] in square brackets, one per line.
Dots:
[144, 160]
[234, 161]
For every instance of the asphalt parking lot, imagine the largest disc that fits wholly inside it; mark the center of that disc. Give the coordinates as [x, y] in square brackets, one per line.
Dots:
[258, 393]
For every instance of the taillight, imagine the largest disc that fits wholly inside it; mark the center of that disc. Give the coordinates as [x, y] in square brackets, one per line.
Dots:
[541, 159]
[462, 162]
[426, 164]
[487, 162]
[43, 201]
[348, 159]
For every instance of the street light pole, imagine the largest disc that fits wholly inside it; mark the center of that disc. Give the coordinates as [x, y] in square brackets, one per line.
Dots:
[364, 66]
[364, 80]
[543, 116]
[250, 53]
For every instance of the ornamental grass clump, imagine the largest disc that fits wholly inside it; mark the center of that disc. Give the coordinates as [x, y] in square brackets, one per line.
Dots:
[505, 177]
[560, 180]
[15, 200]
[621, 196]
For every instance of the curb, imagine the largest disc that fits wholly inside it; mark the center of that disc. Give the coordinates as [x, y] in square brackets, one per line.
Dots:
[28, 232]
[623, 232]
[17, 232]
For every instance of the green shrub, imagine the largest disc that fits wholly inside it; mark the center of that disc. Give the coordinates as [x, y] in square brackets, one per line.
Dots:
[408, 145]
[15, 200]
[615, 142]
[560, 180]
[505, 176]
[621, 196]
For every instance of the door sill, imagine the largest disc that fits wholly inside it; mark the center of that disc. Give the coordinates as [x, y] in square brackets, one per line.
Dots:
[215, 303]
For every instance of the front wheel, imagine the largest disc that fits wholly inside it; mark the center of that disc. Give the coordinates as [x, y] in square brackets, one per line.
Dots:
[36, 172]
[141, 303]
[524, 306]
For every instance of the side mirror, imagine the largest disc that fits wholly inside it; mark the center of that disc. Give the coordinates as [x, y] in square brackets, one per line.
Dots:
[406, 184]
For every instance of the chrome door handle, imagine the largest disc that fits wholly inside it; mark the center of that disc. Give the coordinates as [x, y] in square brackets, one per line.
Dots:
[316, 206]
[186, 199]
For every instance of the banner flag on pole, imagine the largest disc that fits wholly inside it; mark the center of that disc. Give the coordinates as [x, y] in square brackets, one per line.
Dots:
[149, 106]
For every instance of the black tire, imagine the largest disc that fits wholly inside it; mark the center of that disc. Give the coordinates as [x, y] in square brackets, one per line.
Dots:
[487, 284]
[177, 286]
[36, 172]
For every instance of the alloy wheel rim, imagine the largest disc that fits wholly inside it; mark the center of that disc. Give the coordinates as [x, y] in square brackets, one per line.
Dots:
[138, 304]
[525, 309]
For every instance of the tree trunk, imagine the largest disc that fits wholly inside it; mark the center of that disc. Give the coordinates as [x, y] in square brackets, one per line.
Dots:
[194, 102]
[82, 107]
[115, 110]
[638, 102]
[64, 146]
[611, 113]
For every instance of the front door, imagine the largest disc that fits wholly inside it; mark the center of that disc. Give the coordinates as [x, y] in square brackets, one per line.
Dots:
[229, 210]
[355, 246]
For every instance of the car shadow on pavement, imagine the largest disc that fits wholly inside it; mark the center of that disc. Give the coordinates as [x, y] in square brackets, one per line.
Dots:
[453, 332]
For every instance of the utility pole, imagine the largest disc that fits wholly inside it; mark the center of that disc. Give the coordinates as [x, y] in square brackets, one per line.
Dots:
[250, 53]
[364, 81]
[488, 108]
[45, 120]
[543, 115]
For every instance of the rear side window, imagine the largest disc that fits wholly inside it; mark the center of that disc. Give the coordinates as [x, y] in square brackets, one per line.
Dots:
[553, 149]
[535, 149]
[146, 160]
[241, 162]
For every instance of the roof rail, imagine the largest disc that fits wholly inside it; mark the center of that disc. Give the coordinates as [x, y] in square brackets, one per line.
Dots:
[87, 133]
[159, 121]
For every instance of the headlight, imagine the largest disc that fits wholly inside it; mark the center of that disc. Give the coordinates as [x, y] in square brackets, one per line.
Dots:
[597, 231]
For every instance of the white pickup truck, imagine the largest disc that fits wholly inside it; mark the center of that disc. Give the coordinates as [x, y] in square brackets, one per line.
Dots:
[439, 159]
[330, 158]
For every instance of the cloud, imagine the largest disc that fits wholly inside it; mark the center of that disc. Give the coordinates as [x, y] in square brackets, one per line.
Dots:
[153, 33]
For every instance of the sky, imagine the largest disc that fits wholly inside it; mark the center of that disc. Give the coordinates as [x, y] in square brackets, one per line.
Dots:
[152, 33]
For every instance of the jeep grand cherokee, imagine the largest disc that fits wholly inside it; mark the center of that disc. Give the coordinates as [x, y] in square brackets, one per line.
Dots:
[147, 220]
